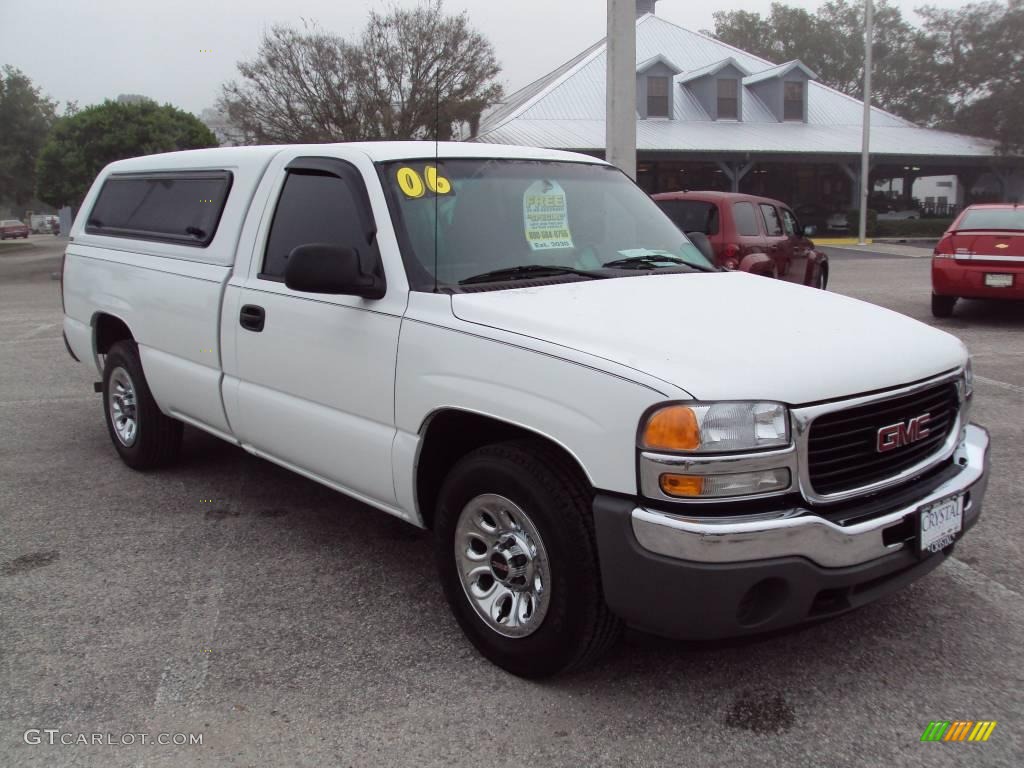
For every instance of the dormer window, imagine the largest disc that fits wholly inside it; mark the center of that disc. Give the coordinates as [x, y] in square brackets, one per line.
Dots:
[728, 98]
[783, 89]
[717, 88]
[657, 96]
[654, 87]
[793, 104]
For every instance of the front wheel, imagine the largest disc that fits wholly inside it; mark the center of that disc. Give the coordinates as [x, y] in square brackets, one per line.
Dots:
[942, 306]
[518, 562]
[143, 436]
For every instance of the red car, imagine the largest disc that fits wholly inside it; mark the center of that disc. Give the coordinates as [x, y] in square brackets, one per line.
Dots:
[755, 234]
[13, 228]
[981, 256]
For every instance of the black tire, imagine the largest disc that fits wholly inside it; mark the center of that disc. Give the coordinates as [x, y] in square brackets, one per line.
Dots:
[157, 438]
[942, 306]
[821, 282]
[577, 627]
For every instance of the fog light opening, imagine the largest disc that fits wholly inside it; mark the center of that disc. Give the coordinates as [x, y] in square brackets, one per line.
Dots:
[762, 602]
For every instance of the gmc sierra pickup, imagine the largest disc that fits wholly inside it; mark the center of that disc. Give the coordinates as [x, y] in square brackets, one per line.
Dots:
[517, 349]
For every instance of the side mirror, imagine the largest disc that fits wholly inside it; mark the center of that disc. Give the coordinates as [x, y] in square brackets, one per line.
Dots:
[334, 269]
[810, 231]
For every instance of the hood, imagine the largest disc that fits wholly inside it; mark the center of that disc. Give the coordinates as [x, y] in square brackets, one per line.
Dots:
[726, 335]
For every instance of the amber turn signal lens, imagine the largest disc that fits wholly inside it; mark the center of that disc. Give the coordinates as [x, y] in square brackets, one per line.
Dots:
[672, 429]
[682, 485]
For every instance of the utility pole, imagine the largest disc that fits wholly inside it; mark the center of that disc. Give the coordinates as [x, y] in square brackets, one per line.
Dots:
[865, 165]
[620, 118]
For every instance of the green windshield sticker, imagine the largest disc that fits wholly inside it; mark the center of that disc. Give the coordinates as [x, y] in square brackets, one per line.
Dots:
[546, 216]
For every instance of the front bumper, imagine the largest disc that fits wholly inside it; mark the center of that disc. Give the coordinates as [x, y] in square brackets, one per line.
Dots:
[704, 577]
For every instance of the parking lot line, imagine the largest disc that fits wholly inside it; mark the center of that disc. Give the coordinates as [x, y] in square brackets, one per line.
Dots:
[1001, 384]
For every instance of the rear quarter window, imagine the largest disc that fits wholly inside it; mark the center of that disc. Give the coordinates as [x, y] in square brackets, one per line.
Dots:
[182, 208]
[746, 219]
[692, 215]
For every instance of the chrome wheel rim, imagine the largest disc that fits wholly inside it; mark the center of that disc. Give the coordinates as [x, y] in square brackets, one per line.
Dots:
[503, 565]
[123, 407]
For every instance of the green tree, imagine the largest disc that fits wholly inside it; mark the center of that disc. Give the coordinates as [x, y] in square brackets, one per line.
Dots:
[25, 120]
[831, 42]
[406, 69]
[976, 62]
[80, 145]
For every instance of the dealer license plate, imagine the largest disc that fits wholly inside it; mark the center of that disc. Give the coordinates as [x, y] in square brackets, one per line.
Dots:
[940, 523]
[993, 280]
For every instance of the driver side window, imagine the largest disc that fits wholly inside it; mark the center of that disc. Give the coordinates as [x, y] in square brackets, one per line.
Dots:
[314, 207]
[790, 223]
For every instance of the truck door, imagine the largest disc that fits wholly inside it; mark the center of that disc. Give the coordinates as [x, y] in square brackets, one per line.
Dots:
[777, 242]
[313, 379]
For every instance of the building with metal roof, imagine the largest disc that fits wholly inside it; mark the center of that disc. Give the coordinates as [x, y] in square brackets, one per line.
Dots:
[710, 116]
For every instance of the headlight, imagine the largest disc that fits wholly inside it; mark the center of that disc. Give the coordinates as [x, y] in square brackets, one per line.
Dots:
[716, 427]
[968, 379]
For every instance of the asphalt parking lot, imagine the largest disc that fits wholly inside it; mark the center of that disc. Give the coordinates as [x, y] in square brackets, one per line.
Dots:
[292, 627]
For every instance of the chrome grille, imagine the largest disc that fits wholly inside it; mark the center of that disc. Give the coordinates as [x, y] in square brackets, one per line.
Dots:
[842, 445]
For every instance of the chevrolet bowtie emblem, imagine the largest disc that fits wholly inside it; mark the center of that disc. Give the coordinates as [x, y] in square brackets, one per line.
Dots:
[1002, 245]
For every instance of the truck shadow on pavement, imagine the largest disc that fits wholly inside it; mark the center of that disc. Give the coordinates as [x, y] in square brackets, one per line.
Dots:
[402, 626]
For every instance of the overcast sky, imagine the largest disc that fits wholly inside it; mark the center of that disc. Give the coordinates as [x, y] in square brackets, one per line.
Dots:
[88, 50]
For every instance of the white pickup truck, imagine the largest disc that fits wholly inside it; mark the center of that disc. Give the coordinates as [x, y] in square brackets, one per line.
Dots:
[515, 348]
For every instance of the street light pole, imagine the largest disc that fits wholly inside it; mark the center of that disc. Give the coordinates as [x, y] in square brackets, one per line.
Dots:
[620, 105]
[865, 167]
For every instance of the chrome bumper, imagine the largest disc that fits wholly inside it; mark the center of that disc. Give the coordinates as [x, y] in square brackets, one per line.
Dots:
[800, 532]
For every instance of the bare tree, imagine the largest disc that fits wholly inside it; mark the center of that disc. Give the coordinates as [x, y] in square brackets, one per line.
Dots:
[297, 89]
[412, 74]
[420, 73]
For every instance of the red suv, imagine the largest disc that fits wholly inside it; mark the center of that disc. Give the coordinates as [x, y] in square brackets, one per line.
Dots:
[752, 233]
[981, 256]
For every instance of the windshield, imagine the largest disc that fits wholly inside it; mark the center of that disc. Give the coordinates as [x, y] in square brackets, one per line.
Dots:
[501, 215]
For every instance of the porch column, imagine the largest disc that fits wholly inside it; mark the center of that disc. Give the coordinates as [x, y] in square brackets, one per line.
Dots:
[735, 172]
[853, 172]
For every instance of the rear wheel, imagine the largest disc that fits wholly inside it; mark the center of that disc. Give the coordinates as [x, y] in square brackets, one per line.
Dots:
[518, 562]
[942, 306]
[143, 436]
[821, 280]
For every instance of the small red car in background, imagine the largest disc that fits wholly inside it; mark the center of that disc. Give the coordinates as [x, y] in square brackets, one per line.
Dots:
[13, 228]
[755, 234]
[981, 256]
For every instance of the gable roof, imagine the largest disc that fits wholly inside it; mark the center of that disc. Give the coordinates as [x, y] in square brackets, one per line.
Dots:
[643, 66]
[566, 108]
[780, 71]
[713, 69]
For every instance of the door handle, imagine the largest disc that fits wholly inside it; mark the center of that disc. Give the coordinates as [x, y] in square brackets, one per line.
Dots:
[252, 318]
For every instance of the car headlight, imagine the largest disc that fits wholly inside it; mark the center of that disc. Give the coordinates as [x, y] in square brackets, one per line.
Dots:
[968, 379]
[716, 427]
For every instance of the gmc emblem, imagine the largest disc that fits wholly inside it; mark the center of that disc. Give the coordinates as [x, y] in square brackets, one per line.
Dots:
[898, 435]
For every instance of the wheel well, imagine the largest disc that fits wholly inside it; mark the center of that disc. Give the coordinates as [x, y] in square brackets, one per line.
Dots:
[108, 330]
[450, 435]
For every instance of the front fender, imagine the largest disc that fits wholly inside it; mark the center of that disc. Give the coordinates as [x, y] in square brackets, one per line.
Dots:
[592, 414]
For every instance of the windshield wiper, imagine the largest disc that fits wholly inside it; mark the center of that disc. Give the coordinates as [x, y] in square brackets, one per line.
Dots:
[526, 271]
[652, 261]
